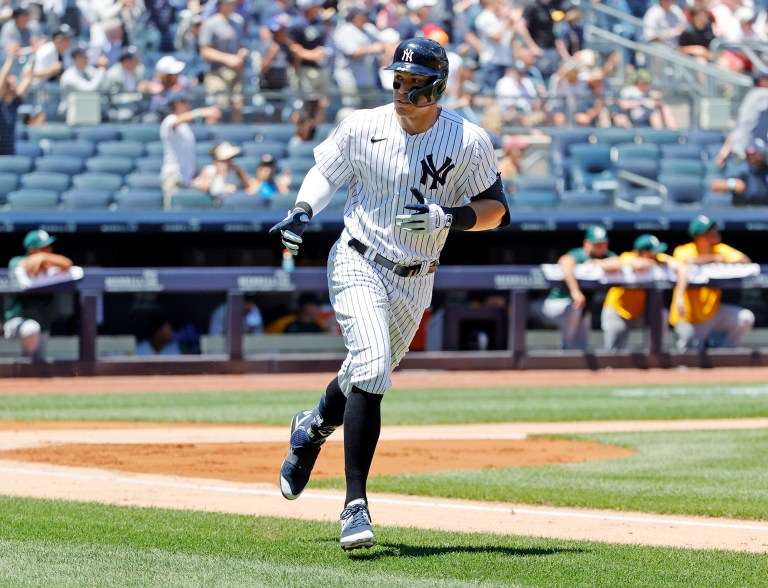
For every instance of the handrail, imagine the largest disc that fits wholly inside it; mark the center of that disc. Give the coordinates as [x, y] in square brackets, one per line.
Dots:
[612, 12]
[620, 202]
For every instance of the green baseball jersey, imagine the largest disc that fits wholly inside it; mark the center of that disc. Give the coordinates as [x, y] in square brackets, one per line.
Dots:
[39, 307]
[581, 256]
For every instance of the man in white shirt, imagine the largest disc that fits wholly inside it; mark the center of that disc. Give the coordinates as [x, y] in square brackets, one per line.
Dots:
[80, 76]
[179, 144]
[53, 57]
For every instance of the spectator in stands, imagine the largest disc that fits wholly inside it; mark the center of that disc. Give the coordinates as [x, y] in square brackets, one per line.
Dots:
[168, 79]
[624, 307]
[538, 33]
[309, 45]
[179, 144]
[276, 56]
[222, 46]
[157, 337]
[697, 36]
[308, 318]
[130, 14]
[741, 31]
[389, 14]
[29, 317]
[21, 29]
[223, 176]
[187, 39]
[53, 57]
[306, 128]
[418, 14]
[161, 16]
[749, 183]
[267, 183]
[517, 97]
[639, 107]
[124, 85]
[358, 51]
[664, 23]
[567, 87]
[569, 33]
[567, 307]
[495, 26]
[253, 323]
[12, 95]
[751, 120]
[511, 160]
[593, 110]
[107, 40]
[707, 322]
[81, 76]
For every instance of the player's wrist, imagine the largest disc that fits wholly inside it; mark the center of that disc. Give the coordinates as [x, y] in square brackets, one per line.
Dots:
[306, 207]
[460, 218]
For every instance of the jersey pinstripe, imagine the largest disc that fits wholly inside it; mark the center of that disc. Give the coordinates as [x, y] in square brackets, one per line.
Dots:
[451, 161]
[378, 311]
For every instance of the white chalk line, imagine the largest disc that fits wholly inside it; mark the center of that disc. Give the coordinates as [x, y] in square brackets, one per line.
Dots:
[392, 501]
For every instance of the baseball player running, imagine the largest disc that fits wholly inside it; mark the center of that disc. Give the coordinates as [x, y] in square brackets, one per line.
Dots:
[409, 165]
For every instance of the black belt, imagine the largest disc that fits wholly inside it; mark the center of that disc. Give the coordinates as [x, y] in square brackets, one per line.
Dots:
[405, 271]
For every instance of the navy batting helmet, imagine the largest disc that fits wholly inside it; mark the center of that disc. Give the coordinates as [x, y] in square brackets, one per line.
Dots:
[423, 57]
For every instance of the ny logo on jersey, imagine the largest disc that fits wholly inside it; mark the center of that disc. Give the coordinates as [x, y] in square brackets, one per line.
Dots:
[438, 175]
[408, 55]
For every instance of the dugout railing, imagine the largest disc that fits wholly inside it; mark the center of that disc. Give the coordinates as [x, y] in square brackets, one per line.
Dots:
[519, 282]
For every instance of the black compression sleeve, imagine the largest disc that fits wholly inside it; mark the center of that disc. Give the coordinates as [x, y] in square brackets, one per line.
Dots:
[464, 217]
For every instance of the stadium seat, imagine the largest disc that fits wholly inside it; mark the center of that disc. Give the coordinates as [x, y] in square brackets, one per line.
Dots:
[189, 198]
[45, 180]
[681, 151]
[149, 164]
[111, 164]
[64, 164]
[297, 165]
[658, 136]
[639, 191]
[242, 201]
[98, 133]
[8, 183]
[235, 134]
[682, 188]
[18, 164]
[584, 198]
[121, 148]
[82, 148]
[248, 162]
[276, 149]
[140, 132]
[633, 151]
[33, 199]
[613, 136]
[302, 149]
[534, 191]
[202, 132]
[154, 149]
[28, 148]
[559, 151]
[102, 180]
[694, 167]
[590, 164]
[50, 131]
[703, 137]
[281, 132]
[86, 199]
[139, 199]
[143, 180]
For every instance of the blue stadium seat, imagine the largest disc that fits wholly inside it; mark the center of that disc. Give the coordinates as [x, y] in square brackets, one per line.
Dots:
[45, 180]
[50, 131]
[204, 147]
[248, 162]
[242, 201]
[111, 164]
[189, 198]
[154, 148]
[303, 149]
[534, 191]
[33, 199]
[276, 149]
[233, 133]
[149, 164]
[631, 190]
[275, 132]
[590, 164]
[559, 151]
[102, 180]
[98, 133]
[703, 137]
[630, 151]
[613, 135]
[64, 164]
[693, 167]
[683, 188]
[144, 132]
[82, 148]
[121, 148]
[18, 164]
[584, 198]
[9, 182]
[139, 199]
[143, 180]
[680, 151]
[202, 132]
[658, 136]
[28, 148]
[297, 165]
[86, 199]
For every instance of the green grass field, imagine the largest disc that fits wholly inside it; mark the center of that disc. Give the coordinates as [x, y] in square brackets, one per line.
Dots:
[720, 473]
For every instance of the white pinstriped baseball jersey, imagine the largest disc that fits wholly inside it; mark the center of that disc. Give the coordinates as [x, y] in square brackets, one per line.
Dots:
[378, 311]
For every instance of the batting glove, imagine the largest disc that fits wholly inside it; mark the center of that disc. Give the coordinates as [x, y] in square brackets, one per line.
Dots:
[291, 229]
[427, 217]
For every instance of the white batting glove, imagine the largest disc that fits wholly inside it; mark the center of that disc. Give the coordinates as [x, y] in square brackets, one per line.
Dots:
[427, 217]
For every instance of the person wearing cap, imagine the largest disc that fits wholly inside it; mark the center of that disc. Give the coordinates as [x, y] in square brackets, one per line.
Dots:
[168, 79]
[567, 306]
[624, 307]
[751, 119]
[179, 144]
[81, 76]
[266, 182]
[358, 53]
[12, 95]
[223, 176]
[637, 107]
[29, 317]
[125, 83]
[223, 47]
[52, 58]
[748, 185]
[704, 315]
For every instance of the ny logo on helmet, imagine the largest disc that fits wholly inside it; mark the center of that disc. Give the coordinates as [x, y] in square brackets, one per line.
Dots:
[438, 175]
[408, 54]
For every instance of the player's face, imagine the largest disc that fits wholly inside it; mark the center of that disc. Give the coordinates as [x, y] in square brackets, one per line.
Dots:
[404, 83]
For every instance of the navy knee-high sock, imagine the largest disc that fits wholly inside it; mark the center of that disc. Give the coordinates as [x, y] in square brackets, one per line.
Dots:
[362, 425]
[332, 404]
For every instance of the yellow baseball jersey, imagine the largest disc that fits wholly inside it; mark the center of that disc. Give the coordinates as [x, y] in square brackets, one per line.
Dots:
[629, 303]
[701, 303]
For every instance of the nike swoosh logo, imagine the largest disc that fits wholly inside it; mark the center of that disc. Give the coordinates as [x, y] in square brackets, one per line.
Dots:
[377, 140]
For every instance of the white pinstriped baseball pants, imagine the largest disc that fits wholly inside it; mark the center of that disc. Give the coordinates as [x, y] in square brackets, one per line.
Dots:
[379, 313]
